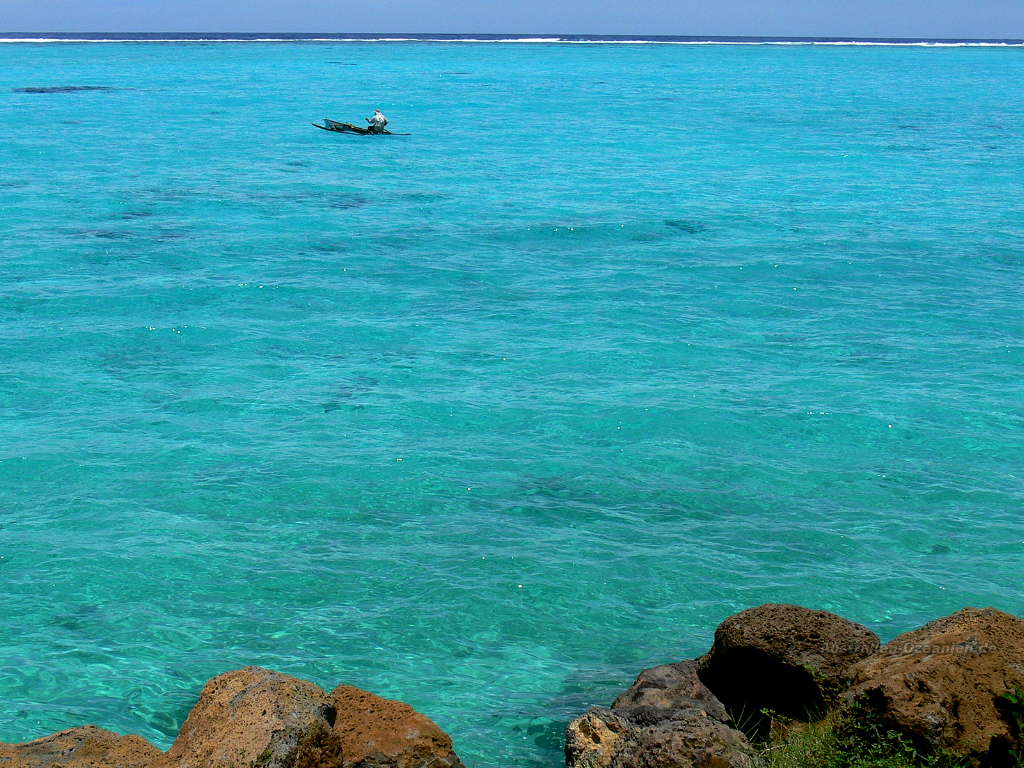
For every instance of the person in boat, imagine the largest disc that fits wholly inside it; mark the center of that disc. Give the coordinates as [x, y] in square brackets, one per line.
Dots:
[378, 122]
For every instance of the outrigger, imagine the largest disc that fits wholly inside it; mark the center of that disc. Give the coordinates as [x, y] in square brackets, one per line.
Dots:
[334, 125]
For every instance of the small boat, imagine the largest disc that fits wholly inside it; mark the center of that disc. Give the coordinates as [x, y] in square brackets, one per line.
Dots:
[334, 125]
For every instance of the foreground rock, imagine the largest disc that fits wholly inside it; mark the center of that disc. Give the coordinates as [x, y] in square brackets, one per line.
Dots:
[672, 686]
[942, 688]
[381, 733]
[791, 660]
[942, 684]
[251, 717]
[83, 747]
[667, 719]
[648, 737]
[256, 718]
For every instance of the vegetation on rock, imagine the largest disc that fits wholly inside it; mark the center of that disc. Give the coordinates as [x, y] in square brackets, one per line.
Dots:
[853, 738]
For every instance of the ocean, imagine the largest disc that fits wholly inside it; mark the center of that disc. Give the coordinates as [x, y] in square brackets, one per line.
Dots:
[625, 337]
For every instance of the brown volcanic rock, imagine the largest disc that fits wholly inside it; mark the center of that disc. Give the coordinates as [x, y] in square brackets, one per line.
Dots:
[251, 717]
[256, 718]
[653, 737]
[792, 660]
[941, 684]
[319, 747]
[381, 733]
[84, 747]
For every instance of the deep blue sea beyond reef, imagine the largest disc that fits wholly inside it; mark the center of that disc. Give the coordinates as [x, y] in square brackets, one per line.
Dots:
[623, 339]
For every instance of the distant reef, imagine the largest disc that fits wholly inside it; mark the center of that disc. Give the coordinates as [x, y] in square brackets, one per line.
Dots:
[781, 687]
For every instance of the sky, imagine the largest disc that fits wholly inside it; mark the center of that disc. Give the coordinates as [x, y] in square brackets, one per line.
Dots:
[827, 18]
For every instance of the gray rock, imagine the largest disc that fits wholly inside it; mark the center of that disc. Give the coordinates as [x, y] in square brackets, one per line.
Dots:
[653, 737]
[672, 686]
[667, 719]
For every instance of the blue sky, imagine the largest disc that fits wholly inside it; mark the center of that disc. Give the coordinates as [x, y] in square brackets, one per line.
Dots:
[863, 18]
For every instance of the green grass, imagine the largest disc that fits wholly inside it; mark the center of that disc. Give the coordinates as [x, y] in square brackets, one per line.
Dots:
[855, 738]
[844, 741]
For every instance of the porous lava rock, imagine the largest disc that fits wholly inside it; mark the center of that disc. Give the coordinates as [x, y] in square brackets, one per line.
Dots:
[83, 747]
[653, 737]
[251, 718]
[943, 684]
[785, 658]
[257, 718]
[666, 719]
[318, 747]
[382, 733]
[671, 686]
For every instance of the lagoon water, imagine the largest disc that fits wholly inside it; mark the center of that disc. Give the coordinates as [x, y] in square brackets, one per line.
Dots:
[623, 339]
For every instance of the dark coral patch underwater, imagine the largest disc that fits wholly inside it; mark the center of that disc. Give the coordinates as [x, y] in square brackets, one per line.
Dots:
[64, 89]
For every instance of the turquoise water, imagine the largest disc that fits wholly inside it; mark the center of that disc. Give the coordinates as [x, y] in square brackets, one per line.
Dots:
[621, 340]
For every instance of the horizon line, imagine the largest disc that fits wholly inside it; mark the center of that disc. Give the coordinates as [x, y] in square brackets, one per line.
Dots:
[520, 35]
